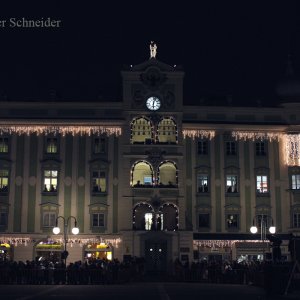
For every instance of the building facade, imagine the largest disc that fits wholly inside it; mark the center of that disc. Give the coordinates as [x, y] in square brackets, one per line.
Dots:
[147, 177]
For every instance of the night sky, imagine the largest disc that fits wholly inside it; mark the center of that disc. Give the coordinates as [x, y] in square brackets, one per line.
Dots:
[236, 50]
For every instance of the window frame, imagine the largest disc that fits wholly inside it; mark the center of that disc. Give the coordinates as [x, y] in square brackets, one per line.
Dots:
[202, 147]
[48, 140]
[46, 190]
[4, 189]
[228, 215]
[98, 220]
[3, 216]
[208, 221]
[102, 145]
[4, 145]
[259, 190]
[50, 224]
[201, 188]
[260, 148]
[98, 178]
[231, 148]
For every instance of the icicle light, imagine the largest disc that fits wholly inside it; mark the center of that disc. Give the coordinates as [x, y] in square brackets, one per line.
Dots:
[60, 129]
[252, 136]
[196, 133]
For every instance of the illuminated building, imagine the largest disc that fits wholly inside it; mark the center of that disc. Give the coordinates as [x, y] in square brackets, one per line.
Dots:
[147, 176]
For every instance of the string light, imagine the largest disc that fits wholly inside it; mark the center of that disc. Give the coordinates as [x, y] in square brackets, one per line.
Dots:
[60, 129]
[292, 151]
[196, 133]
[221, 243]
[251, 135]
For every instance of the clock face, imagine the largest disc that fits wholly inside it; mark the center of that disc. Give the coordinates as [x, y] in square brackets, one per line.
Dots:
[153, 103]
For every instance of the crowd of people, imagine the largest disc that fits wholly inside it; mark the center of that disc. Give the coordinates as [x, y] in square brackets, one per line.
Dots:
[134, 269]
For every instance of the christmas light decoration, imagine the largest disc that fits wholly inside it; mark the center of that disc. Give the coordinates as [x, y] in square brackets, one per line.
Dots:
[198, 133]
[292, 151]
[252, 136]
[220, 243]
[60, 129]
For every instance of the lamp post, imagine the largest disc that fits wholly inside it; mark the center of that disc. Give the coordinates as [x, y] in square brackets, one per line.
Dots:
[56, 230]
[263, 221]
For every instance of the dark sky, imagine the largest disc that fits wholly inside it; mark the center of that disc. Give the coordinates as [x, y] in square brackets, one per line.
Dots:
[235, 48]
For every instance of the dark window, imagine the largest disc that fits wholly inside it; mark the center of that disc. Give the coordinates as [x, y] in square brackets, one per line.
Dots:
[202, 147]
[260, 148]
[49, 219]
[231, 148]
[3, 219]
[98, 220]
[99, 145]
[232, 221]
[204, 220]
[296, 220]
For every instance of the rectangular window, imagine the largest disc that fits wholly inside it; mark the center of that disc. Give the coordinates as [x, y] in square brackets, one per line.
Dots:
[262, 184]
[231, 148]
[296, 220]
[3, 145]
[99, 145]
[50, 180]
[3, 219]
[202, 183]
[232, 221]
[231, 184]
[99, 182]
[148, 180]
[98, 220]
[203, 220]
[296, 182]
[3, 181]
[260, 148]
[52, 145]
[202, 148]
[49, 219]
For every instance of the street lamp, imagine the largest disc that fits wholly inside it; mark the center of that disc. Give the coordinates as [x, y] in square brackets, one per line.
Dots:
[263, 221]
[56, 230]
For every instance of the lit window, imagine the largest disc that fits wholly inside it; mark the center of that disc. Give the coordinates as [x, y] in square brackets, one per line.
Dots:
[99, 182]
[296, 182]
[50, 180]
[231, 184]
[260, 148]
[232, 221]
[3, 219]
[98, 220]
[296, 220]
[202, 147]
[148, 221]
[202, 183]
[3, 145]
[141, 131]
[99, 145]
[262, 184]
[231, 148]
[3, 181]
[203, 220]
[51, 145]
[166, 131]
[49, 219]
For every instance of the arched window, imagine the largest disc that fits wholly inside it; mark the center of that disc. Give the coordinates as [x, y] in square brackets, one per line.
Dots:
[167, 131]
[143, 217]
[167, 174]
[141, 131]
[141, 174]
[169, 217]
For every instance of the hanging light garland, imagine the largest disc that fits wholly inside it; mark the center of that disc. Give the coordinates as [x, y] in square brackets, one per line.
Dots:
[252, 136]
[197, 133]
[60, 129]
[292, 151]
[220, 243]
[26, 240]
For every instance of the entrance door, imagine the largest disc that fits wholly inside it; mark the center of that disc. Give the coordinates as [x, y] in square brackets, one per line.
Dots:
[156, 256]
